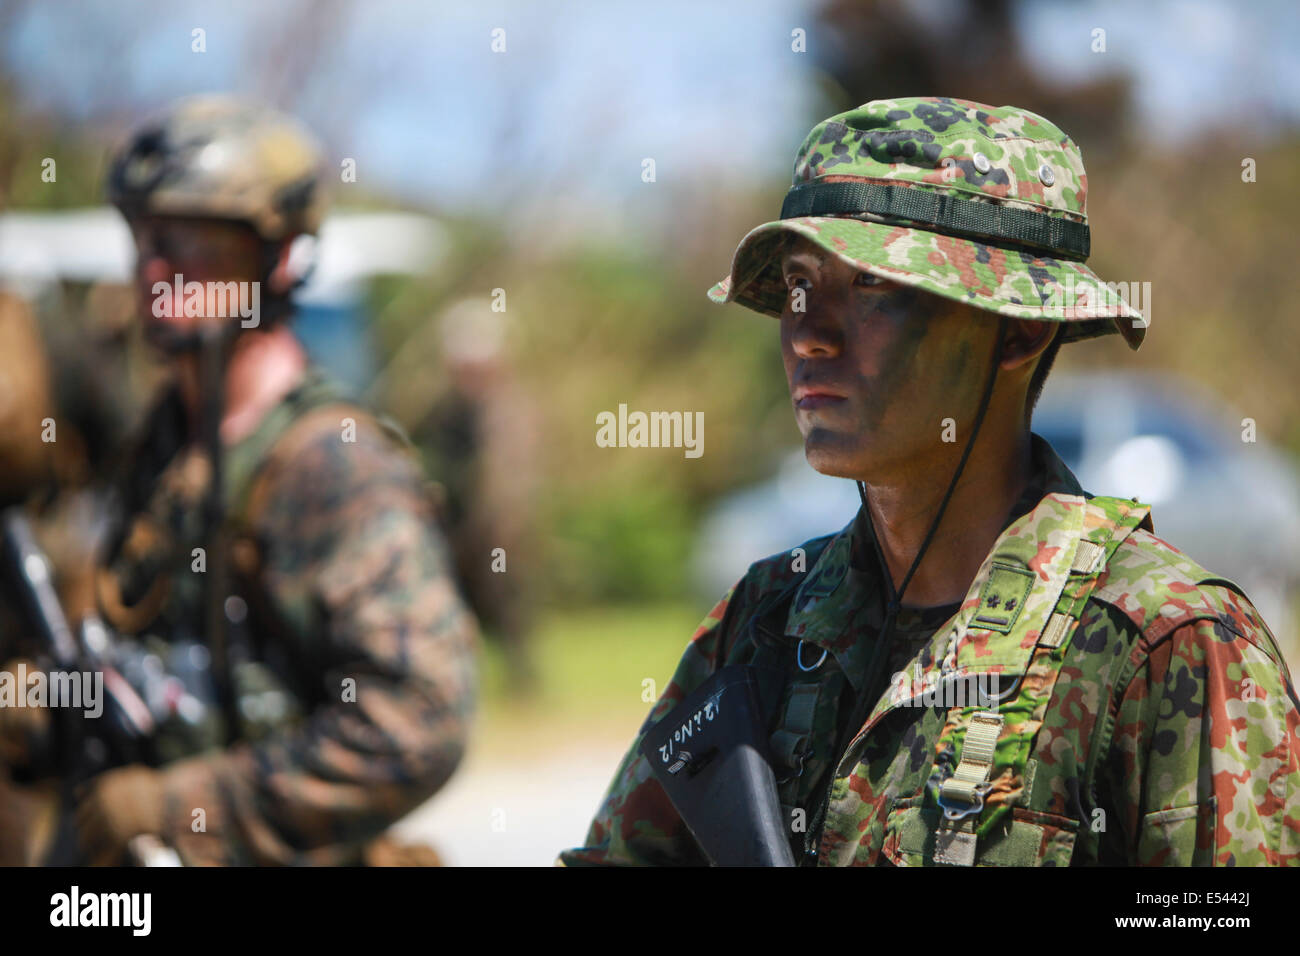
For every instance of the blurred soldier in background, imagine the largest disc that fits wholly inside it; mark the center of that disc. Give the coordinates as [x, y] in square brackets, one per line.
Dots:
[280, 597]
[478, 437]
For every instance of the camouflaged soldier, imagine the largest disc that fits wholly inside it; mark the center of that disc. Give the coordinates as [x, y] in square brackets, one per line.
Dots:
[988, 666]
[335, 644]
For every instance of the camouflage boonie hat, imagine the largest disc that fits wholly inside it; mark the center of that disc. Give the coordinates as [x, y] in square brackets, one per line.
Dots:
[979, 204]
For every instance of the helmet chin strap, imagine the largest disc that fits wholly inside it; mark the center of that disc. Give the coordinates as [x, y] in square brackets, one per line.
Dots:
[896, 595]
[274, 306]
[197, 341]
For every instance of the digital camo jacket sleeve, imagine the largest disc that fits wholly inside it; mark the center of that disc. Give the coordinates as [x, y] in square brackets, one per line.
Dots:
[1204, 759]
[637, 824]
[359, 583]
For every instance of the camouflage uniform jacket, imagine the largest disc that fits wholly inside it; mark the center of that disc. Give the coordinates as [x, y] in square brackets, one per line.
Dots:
[353, 625]
[1171, 735]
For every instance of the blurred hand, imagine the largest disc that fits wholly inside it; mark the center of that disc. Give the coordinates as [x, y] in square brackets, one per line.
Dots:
[385, 851]
[117, 806]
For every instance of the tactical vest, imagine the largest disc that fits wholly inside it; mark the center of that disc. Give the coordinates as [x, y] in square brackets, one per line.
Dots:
[1004, 651]
[244, 462]
[267, 697]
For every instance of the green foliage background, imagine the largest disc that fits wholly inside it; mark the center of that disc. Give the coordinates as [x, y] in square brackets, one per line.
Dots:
[622, 317]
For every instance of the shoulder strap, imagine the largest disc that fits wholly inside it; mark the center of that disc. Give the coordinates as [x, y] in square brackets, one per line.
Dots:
[983, 749]
[793, 681]
[160, 438]
[247, 460]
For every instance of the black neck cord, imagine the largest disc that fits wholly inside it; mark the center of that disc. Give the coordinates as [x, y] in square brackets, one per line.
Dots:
[896, 596]
[881, 653]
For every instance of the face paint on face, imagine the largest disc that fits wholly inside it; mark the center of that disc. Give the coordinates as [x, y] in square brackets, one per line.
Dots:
[910, 312]
[873, 367]
[195, 250]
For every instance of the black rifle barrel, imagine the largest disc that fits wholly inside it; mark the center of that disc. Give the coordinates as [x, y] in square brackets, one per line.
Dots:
[214, 341]
[32, 574]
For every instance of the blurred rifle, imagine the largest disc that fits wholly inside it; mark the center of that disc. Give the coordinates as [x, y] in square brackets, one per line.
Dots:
[140, 692]
[81, 746]
[214, 341]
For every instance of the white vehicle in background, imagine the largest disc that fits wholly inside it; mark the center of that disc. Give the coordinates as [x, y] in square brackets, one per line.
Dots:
[40, 250]
[1232, 505]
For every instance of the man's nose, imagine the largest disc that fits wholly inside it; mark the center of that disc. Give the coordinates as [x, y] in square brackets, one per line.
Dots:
[817, 332]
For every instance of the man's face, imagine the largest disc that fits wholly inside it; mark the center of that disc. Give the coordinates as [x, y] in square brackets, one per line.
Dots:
[873, 367]
[198, 250]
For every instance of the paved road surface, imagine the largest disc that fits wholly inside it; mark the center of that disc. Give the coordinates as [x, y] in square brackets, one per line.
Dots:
[500, 810]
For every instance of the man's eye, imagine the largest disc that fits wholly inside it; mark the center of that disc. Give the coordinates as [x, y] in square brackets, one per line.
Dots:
[797, 282]
[867, 279]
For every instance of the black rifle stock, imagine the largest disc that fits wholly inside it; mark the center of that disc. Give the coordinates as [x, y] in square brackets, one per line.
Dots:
[709, 754]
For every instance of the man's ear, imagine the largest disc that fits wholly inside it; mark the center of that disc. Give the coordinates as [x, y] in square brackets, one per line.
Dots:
[1025, 341]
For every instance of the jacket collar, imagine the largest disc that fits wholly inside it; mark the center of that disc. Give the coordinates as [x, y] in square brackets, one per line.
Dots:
[841, 600]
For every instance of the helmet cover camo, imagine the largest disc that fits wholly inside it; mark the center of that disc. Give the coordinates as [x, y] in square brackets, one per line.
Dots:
[214, 156]
[979, 204]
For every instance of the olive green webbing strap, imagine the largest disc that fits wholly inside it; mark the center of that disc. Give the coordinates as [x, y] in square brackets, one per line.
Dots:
[246, 458]
[977, 757]
[774, 661]
[791, 740]
[982, 733]
[1115, 520]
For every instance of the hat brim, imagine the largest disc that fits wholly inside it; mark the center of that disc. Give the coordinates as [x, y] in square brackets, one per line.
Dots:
[1004, 281]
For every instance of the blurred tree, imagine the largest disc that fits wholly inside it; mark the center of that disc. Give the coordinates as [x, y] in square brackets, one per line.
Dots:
[876, 49]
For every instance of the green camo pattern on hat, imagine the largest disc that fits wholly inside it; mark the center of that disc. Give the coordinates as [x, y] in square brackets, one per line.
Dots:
[979, 204]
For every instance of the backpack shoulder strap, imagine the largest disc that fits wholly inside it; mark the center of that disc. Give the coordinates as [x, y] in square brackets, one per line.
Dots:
[795, 687]
[282, 431]
[983, 750]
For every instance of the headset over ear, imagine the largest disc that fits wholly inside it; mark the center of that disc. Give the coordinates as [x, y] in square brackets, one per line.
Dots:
[300, 262]
[286, 266]
[219, 158]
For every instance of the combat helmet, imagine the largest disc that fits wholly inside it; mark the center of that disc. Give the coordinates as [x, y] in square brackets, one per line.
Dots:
[217, 157]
